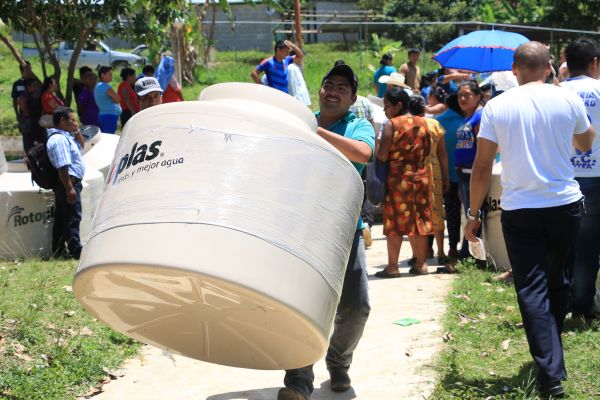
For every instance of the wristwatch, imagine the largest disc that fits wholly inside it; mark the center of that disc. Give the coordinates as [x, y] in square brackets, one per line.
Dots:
[472, 217]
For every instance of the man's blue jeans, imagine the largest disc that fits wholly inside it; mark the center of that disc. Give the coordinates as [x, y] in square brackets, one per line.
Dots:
[351, 317]
[539, 242]
[587, 250]
[67, 218]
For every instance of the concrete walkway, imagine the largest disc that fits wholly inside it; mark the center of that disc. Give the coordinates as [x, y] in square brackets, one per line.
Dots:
[391, 362]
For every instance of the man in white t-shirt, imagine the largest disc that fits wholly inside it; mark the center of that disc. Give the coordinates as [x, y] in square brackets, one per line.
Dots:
[535, 126]
[583, 58]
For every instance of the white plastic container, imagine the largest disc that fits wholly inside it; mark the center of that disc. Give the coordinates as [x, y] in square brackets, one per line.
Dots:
[492, 226]
[26, 215]
[224, 230]
[99, 151]
[27, 211]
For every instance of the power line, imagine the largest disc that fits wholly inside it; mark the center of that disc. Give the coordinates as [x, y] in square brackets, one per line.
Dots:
[413, 23]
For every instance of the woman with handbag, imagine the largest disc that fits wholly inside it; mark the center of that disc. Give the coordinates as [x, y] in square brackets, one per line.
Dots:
[49, 102]
[405, 144]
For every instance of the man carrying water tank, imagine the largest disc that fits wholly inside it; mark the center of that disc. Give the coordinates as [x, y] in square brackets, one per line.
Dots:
[65, 143]
[355, 138]
[535, 126]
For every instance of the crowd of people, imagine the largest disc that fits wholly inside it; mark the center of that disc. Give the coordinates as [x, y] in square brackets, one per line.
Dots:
[43, 118]
[442, 135]
[437, 160]
[98, 103]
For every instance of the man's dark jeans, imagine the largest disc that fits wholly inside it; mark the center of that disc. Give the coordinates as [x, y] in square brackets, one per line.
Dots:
[351, 317]
[587, 250]
[539, 242]
[66, 222]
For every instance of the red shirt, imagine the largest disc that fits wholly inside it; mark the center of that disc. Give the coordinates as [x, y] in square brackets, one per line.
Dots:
[172, 95]
[125, 90]
[46, 98]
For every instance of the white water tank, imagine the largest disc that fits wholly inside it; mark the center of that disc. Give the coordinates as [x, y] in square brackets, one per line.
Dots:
[492, 225]
[224, 230]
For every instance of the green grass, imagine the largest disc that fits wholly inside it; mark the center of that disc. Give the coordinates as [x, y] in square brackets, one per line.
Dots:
[230, 67]
[50, 347]
[475, 365]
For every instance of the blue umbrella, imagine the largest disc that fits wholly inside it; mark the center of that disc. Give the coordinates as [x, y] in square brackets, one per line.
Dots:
[481, 51]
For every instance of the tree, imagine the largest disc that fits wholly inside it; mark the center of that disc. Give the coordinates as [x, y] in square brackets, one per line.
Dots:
[432, 36]
[52, 21]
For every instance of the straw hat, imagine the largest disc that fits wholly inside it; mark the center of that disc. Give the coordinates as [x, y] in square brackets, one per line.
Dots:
[395, 79]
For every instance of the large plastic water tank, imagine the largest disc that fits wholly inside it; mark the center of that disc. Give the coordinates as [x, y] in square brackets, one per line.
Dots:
[224, 230]
[99, 149]
[492, 225]
[26, 213]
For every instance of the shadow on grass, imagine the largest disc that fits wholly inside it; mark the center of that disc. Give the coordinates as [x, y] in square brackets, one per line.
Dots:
[519, 386]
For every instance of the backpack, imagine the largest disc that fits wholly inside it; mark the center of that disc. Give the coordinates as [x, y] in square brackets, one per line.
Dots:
[42, 171]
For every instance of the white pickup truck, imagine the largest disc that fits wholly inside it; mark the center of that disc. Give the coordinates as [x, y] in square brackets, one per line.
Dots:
[104, 55]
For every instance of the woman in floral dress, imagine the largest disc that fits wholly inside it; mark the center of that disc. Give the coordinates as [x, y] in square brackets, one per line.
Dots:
[405, 145]
[437, 165]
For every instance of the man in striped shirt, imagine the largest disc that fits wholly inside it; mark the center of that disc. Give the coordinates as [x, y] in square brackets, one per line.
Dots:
[64, 147]
[276, 67]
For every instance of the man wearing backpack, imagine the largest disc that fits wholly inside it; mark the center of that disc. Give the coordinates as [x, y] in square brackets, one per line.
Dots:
[65, 143]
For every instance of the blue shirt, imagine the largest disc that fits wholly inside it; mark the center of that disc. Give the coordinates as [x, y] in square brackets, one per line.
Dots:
[451, 121]
[276, 72]
[355, 128]
[450, 86]
[466, 141]
[425, 92]
[64, 150]
[382, 71]
[105, 104]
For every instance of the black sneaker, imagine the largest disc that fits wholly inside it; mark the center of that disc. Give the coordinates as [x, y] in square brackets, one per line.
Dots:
[290, 394]
[340, 381]
[552, 390]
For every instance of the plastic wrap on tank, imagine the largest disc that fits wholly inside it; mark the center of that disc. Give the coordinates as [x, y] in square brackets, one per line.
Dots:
[224, 230]
[216, 179]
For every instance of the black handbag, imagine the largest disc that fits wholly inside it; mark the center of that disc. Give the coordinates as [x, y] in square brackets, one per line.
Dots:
[376, 185]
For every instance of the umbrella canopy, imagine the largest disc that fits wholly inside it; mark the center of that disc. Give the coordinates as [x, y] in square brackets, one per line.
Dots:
[481, 51]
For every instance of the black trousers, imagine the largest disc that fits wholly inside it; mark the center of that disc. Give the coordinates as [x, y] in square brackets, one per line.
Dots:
[367, 211]
[67, 218]
[452, 206]
[539, 242]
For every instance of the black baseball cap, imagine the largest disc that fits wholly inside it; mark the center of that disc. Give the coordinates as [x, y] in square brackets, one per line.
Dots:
[345, 71]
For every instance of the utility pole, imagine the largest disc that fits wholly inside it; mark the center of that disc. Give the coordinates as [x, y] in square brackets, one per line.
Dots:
[298, 25]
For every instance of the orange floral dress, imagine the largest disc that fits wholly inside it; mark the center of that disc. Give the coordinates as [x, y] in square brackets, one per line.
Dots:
[407, 207]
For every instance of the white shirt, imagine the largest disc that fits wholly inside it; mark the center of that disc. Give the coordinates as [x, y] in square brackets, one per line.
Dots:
[297, 85]
[587, 165]
[533, 126]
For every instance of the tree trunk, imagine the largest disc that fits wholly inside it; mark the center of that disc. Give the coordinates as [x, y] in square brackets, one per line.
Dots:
[13, 49]
[40, 54]
[83, 36]
[53, 60]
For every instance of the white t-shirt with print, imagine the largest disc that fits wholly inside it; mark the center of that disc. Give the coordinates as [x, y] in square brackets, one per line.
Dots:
[587, 165]
[533, 126]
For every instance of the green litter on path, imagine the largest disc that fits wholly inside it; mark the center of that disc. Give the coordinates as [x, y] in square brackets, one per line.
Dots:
[407, 322]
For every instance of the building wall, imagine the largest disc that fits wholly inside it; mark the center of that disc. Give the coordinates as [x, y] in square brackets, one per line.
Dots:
[328, 7]
[245, 36]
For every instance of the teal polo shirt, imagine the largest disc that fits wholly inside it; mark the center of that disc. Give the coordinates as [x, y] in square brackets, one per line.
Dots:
[352, 127]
